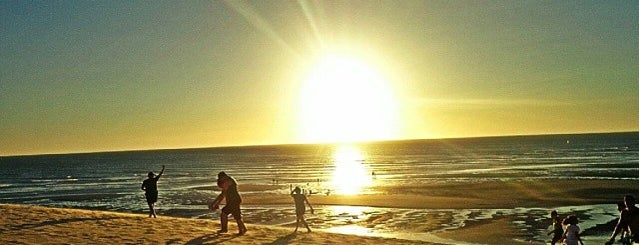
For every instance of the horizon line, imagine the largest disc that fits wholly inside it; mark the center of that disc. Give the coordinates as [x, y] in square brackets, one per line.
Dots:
[310, 143]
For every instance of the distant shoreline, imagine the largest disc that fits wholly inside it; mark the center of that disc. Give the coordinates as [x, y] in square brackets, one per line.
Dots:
[230, 147]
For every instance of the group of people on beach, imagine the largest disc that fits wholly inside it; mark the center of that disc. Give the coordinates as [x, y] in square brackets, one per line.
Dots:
[229, 191]
[566, 230]
[570, 236]
[627, 226]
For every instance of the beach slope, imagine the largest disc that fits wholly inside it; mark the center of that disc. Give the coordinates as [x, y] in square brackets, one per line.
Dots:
[24, 224]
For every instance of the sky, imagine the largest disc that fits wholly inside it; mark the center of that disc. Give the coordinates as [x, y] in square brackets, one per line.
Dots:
[86, 76]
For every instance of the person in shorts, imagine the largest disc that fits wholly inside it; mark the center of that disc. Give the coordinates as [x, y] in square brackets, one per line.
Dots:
[150, 188]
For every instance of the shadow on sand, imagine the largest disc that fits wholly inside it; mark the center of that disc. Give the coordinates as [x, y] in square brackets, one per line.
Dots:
[212, 239]
[283, 240]
[55, 222]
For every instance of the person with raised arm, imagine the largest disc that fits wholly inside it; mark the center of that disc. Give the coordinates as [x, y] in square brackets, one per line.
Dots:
[150, 188]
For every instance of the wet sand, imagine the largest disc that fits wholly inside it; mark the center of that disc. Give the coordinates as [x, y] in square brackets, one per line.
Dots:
[500, 205]
[484, 194]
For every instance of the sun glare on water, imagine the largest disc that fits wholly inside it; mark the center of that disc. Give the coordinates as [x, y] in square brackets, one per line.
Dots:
[350, 175]
[344, 99]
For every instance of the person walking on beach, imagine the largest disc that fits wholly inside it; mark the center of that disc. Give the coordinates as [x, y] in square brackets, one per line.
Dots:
[300, 207]
[233, 201]
[628, 221]
[557, 230]
[150, 188]
[571, 235]
[625, 238]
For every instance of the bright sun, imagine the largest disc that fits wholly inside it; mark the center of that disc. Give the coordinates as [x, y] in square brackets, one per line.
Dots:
[344, 99]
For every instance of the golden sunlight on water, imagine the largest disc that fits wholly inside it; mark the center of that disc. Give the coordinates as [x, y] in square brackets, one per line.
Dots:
[352, 213]
[351, 174]
[352, 230]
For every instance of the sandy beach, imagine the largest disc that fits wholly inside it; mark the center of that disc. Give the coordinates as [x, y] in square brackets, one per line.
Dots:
[400, 122]
[27, 224]
[40, 225]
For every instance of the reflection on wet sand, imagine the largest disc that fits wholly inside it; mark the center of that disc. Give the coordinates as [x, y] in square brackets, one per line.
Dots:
[528, 225]
[351, 174]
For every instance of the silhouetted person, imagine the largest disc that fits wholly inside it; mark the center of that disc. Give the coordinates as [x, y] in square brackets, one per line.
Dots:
[557, 230]
[150, 188]
[571, 234]
[233, 201]
[628, 221]
[625, 238]
[300, 208]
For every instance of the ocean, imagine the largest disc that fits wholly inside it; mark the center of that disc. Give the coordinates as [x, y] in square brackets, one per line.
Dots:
[111, 180]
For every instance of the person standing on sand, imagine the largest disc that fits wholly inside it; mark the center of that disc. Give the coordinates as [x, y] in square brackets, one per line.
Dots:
[300, 207]
[628, 221]
[150, 188]
[557, 230]
[624, 233]
[233, 201]
[571, 235]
